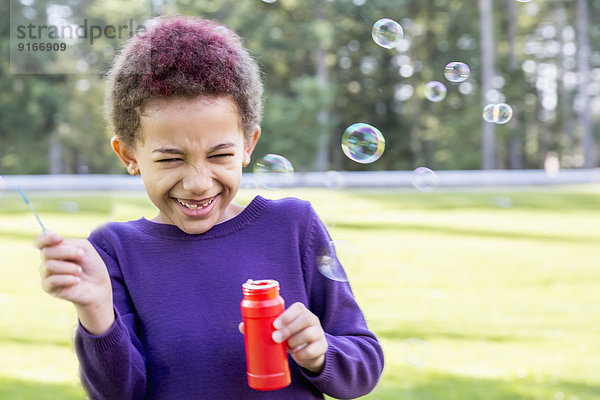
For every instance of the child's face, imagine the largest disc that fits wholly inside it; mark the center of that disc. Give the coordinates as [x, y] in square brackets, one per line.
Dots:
[190, 158]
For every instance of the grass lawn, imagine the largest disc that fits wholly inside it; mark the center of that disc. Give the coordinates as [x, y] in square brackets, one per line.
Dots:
[474, 294]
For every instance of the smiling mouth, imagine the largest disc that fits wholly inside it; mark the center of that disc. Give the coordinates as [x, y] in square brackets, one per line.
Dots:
[196, 205]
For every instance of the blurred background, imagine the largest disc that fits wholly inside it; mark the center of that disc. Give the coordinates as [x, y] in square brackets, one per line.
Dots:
[324, 72]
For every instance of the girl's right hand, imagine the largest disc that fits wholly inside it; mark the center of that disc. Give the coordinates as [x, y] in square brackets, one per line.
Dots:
[73, 270]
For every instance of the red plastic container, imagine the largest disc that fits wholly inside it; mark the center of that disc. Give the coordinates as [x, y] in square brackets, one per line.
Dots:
[266, 360]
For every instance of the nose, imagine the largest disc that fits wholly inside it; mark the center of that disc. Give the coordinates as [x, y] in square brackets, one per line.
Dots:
[197, 179]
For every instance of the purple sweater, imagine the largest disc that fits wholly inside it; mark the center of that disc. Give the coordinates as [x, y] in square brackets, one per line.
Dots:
[177, 305]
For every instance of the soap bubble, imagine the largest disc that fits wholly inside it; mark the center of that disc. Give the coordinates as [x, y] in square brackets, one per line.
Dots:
[416, 352]
[502, 202]
[424, 179]
[363, 143]
[333, 255]
[488, 113]
[69, 206]
[334, 180]
[435, 91]
[387, 33]
[503, 113]
[274, 171]
[552, 164]
[457, 71]
[499, 113]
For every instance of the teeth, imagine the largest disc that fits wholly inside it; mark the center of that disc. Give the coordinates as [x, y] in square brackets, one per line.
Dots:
[195, 206]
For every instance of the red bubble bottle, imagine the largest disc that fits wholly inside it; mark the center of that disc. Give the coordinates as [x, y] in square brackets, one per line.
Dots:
[266, 360]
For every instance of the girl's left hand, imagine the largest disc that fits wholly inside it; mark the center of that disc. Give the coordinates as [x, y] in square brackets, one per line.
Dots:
[305, 337]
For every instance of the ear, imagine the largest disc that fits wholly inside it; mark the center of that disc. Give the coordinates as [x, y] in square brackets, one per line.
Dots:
[125, 154]
[249, 145]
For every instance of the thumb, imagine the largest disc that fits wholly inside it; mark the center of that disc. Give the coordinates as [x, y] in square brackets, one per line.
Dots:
[241, 327]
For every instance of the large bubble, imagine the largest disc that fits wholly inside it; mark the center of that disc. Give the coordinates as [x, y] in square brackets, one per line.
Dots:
[457, 71]
[333, 255]
[274, 171]
[435, 91]
[363, 143]
[387, 33]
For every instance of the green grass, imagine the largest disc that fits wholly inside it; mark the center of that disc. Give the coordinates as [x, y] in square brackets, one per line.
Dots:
[507, 299]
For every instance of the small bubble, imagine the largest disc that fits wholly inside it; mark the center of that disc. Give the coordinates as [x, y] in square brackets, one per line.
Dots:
[273, 171]
[521, 373]
[552, 164]
[416, 352]
[457, 71]
[387, 33]
[499, 113]
[334, 180]
[425, 179]
[329, 221]
[69, 206]
[363, 143]
[435, 91]
[559, 395]
[502, 202]
[488, 113]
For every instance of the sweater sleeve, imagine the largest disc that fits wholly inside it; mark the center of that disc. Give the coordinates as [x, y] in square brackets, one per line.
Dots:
[354, 358]
[112, 365]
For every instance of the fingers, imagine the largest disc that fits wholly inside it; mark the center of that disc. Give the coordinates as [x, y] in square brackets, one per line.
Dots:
[62, 252]
[304, 334]
[293, 320]
[47, 239]
[57, 267]
[53, 283]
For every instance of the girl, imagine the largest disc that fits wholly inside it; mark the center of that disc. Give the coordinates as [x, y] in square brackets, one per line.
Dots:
[158, 300]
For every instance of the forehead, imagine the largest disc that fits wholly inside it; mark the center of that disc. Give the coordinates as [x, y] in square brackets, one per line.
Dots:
[168, 117]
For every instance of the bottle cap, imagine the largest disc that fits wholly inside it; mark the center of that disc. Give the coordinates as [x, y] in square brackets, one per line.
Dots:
[260, 285]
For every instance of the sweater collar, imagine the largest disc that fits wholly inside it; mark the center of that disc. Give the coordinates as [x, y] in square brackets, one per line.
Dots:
[168, 231]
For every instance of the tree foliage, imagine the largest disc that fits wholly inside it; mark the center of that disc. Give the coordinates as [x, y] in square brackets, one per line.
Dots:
[323, 72]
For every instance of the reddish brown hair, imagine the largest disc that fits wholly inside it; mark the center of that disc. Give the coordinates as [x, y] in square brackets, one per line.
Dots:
[185, 57]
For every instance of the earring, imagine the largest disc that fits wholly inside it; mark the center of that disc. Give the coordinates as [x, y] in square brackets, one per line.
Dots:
[245, 163]
[132, 171]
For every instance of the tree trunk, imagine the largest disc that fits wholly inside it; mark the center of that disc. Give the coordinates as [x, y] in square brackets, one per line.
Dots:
[515, 138]
[55, 155]
[583, 60]
[322, 156]
[487, 74]
[566, 115]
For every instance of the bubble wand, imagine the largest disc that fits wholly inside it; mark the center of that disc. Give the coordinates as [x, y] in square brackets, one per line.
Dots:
[26, 200]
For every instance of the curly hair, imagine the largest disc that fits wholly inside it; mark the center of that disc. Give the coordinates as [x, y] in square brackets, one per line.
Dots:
[185, 57]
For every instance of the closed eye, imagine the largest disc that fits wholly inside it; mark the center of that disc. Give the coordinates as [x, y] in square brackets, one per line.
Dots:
[222, 155]
[169, 160]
